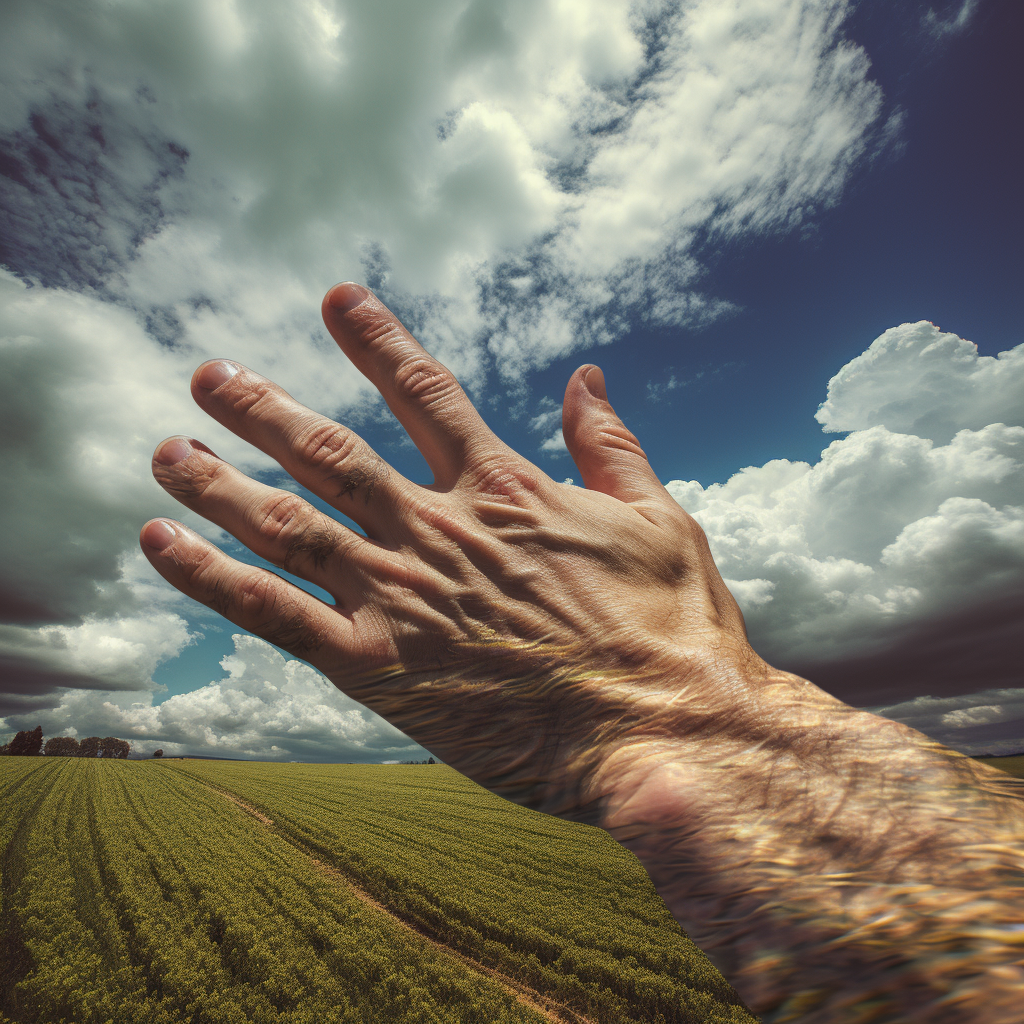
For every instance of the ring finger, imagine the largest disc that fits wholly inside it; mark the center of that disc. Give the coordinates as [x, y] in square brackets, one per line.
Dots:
[335, 463]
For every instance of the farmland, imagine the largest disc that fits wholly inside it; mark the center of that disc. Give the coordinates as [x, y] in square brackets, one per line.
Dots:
[234, 892]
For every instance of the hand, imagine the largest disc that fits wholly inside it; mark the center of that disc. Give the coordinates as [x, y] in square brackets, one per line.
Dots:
[576, 650]
[524, 630]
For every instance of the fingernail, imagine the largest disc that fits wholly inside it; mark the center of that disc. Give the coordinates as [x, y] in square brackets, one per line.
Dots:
[173, 451]
[213, 374]
[593, 380]
[158, 534]
[344, 297]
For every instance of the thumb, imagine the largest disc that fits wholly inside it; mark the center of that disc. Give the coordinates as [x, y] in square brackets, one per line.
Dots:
[607, 454]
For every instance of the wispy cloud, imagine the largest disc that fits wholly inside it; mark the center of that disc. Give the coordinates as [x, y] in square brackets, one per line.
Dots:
[660, 389]
[988, 722]
[548, 420]
[953, 24]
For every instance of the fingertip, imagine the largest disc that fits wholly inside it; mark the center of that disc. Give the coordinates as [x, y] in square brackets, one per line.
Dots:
[158, 535]
[344, 297]
[586, 384]
[593, 381]
[211, 374]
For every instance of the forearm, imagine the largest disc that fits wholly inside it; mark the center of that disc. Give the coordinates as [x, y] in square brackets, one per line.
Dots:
[837, 867]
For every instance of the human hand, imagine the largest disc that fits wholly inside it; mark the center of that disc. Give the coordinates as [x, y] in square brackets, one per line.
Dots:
[526, 631]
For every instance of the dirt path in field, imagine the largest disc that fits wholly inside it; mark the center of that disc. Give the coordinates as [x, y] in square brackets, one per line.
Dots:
[548, 1008]
[241, 803]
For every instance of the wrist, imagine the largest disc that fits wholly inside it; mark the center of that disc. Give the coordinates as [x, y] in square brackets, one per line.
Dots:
[824, 848]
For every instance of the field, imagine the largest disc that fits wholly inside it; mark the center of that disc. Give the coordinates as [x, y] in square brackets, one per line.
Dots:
[1011, 765]
[214, 892]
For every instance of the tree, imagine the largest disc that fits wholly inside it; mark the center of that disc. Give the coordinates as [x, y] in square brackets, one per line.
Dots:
[90, 747]
[158, 753]
[111, 746]
[61, 746]
[431, 761]
[27, 744]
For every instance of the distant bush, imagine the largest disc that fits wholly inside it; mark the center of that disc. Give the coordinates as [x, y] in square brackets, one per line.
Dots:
[110, 746]
[158, 753]
[61, 746]
[28, 743]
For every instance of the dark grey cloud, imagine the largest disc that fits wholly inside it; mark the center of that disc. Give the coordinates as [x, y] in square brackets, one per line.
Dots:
[80, 188]
[967, 650]
[989, 722]
[62, 535]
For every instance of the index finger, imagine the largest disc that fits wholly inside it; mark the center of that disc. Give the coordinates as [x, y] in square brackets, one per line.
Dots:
[422, 393]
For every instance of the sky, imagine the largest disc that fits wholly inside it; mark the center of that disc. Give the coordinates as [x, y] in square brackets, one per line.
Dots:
[789, 231]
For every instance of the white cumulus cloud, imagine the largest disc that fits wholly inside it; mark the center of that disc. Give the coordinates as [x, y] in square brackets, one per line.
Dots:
[266, 707]
[891, 533]
[916, 379]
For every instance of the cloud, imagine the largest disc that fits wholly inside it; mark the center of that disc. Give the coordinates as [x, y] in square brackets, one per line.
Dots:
[656, 390]
[266, 707]
[549, 419]
[893, 566]
[100, 654]
[942, 28]
[967, 724]
[518, 186]
[85, 396]
[916, 379]
[184, 180]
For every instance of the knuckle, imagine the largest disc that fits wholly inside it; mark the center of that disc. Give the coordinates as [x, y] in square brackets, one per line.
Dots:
[298, 532]
[342, 457]
[264, 610]
[319, 441]
[293, 633]
[697, 538]
[424, 379]
[256, 597]
[618, 437]
[254, 600]
[280, 514]
[514, 483]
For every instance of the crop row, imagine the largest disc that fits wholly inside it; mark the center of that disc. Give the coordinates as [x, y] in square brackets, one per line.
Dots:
[136, 894]
[556, 905]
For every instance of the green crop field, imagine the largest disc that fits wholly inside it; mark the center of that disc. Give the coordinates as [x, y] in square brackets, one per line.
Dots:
[149, 892]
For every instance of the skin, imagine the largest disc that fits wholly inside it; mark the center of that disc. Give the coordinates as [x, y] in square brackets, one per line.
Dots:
[575, 650]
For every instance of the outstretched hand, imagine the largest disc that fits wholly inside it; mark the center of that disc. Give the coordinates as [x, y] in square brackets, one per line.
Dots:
[526, 631]
[575, 650]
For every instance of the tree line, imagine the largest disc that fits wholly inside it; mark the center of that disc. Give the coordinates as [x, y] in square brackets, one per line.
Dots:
[29, 743]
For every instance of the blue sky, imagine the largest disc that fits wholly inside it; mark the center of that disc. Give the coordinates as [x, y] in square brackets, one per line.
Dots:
[753, 203]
